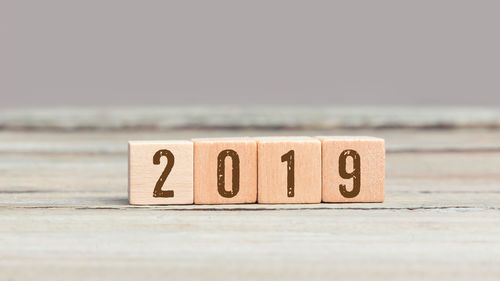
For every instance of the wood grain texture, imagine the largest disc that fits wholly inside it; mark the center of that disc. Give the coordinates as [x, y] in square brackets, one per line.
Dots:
[160, 172]
[64, 213]
[289, 170]
[115, 142]
[212, 154]
[368, 173]
[244, 117]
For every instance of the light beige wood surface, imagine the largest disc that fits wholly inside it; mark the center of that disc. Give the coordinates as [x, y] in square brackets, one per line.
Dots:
[289, 170]
[64, 212]
[362, 162]
[228, 162]
[160, 172]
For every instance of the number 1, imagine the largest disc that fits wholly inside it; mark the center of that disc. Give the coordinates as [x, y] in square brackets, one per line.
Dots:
[289, 158]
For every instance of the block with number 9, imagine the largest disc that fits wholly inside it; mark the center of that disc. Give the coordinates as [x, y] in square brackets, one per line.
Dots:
[353, 169]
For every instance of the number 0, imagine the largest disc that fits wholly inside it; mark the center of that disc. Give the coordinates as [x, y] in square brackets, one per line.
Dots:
[221, 171]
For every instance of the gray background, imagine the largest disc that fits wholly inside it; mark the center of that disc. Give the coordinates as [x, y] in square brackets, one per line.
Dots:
[249, 52]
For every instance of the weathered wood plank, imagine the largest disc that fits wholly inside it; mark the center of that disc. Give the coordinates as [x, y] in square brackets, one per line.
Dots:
[89, 142]
[100, 180]
[452, 244]
[159, 118]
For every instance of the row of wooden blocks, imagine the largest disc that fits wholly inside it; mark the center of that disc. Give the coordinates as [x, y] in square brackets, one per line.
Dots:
[274, 170]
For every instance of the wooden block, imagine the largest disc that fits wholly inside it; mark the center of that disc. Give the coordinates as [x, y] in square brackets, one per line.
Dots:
[160, 172]
[353, 169]
[225, 171]
[289, 170]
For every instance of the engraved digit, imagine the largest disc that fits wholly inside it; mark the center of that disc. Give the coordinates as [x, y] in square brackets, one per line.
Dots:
[289, 158]
[355, 174]
[170, 163]
[221, 171]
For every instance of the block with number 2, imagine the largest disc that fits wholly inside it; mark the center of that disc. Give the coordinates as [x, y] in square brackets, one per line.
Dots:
[160, 172]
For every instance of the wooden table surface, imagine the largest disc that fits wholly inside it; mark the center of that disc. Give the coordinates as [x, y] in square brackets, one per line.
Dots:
[64, 213]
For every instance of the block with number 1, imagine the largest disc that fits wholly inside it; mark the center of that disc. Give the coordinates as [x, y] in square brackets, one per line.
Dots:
[289, 170]
[160, 172]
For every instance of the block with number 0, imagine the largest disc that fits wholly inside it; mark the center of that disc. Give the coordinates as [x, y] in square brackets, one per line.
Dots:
[353, 169]
[160, 172]
[289, 170]
[225, 170]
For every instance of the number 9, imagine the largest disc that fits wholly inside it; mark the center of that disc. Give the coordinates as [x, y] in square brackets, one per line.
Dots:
[355, 174]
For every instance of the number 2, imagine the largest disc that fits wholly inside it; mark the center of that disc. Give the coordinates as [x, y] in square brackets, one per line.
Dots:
[289, 158]
[170, 163]
[355, 175]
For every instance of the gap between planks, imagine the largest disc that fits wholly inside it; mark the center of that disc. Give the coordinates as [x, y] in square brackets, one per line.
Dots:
[250, 207]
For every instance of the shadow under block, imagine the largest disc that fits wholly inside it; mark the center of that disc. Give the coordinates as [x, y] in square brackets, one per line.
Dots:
[225, 171]
[289, 170]
[353, 169]
[160, 172]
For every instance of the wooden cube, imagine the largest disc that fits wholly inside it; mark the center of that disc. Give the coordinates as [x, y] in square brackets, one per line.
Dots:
[353, 169]
[289, 170]
[160, 172]
[225, 170]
